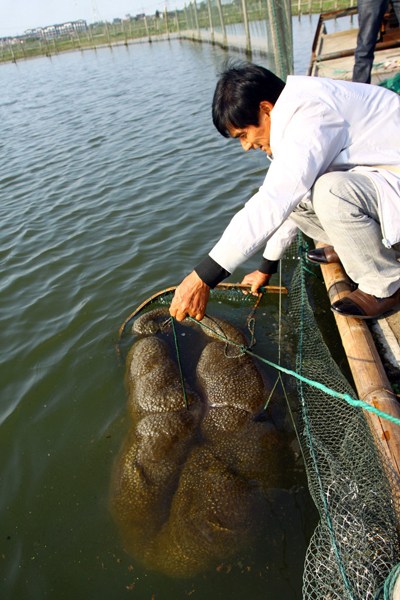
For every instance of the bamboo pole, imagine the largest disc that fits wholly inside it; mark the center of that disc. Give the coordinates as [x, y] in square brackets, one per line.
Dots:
[246, 27]
[196, 19]
[166, 19]
[48, 53]
[147, 28]
[12, 51]
[369, 376]
[106, 28]
[187, 18]
[287, 19]
[221, 18]
[210, 21]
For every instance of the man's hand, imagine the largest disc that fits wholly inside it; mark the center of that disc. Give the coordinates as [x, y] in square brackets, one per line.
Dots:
[190, 298]
[256, 279]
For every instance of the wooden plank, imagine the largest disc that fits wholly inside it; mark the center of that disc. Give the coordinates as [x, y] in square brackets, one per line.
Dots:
[341, 41]
[386, 64]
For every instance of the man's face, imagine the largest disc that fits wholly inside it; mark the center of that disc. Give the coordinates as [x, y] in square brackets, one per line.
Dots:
[256, 136]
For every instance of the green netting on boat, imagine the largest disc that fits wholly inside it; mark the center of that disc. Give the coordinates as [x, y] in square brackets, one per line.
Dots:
[356, 543]
[393, 83]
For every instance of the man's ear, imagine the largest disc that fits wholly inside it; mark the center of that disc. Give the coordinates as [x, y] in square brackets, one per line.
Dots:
[266, 107]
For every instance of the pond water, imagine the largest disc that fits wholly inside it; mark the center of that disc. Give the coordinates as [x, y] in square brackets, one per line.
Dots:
[113, 185]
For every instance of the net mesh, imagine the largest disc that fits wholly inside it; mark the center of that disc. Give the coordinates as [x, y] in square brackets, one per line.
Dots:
[280, 37]
[356, 543]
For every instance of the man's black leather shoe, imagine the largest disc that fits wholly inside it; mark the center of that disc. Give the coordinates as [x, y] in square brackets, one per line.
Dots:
[325, 255]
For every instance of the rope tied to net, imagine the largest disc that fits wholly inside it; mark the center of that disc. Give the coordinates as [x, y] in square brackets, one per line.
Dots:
[178, 357]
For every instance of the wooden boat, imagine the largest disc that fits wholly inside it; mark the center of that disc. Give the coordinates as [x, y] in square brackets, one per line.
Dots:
[332, 53]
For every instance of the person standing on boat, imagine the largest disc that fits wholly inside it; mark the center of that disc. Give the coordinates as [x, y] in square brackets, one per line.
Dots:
[335, 174]
[370, 16]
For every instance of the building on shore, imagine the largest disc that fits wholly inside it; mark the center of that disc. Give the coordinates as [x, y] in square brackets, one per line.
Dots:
[53, 31]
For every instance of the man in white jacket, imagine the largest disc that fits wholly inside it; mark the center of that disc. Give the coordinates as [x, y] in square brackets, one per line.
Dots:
[335, 174]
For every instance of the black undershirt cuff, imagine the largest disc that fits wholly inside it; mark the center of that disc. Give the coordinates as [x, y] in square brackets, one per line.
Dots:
[268, 267]
[211, 272]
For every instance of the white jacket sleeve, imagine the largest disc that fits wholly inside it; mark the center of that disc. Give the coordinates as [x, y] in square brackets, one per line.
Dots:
[280, 240]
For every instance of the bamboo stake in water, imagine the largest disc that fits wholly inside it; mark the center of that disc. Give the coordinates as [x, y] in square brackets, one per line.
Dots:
[246, 27]
[221, 18]
[210, 21]
[196, 20]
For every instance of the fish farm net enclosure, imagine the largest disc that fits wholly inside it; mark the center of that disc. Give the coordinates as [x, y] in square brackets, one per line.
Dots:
[354, 550]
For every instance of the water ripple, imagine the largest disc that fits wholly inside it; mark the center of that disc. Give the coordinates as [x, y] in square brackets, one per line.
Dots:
[113, 185]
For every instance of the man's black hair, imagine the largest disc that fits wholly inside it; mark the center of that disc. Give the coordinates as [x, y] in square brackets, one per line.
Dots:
[240, 89]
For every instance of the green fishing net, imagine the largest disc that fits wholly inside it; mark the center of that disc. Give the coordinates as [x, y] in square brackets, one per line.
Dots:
[393, 83]
[355, 546]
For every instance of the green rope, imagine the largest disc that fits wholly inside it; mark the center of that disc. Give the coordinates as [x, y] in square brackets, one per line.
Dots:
[310, 272]
[251, 326]
[316, 384]
[179, 362]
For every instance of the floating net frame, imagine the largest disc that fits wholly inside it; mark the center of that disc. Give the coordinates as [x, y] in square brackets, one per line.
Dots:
[235, 294]
[164, 296]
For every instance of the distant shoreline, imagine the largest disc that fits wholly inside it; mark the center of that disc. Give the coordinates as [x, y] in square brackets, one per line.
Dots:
[83, 48]
[237, 43]
[196, 25]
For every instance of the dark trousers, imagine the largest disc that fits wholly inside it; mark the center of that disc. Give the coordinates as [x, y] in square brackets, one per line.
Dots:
[370, 15]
